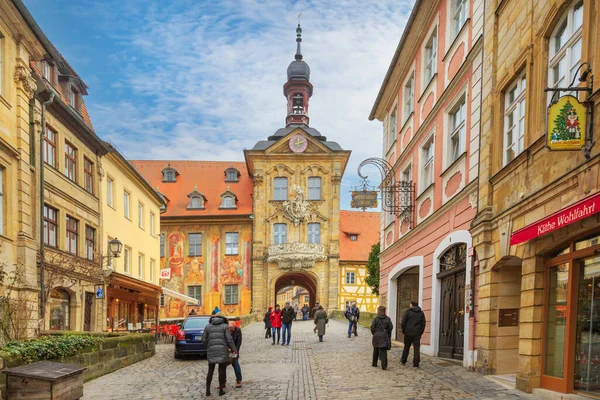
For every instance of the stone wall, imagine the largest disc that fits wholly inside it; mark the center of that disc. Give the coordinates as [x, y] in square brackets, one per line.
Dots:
[109, 355]
[365, 317]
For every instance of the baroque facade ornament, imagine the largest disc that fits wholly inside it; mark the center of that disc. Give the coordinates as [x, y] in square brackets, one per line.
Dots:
[297, 209]
[296, 255]
[22, 75]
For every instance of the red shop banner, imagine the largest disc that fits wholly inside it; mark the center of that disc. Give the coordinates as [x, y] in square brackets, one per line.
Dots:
[580, 210]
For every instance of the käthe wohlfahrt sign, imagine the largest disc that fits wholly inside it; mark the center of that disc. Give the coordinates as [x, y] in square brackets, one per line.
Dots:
[566, 124]
[582, 209]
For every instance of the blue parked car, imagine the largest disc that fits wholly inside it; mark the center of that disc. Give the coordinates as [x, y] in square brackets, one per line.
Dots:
[189, 338]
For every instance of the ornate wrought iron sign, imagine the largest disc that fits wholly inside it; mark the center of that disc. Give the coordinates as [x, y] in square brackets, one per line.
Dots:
[364, 199]
[571, 122]
[397, 197]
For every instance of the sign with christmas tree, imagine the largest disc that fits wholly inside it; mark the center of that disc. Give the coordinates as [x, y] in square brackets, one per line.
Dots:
[566, 124]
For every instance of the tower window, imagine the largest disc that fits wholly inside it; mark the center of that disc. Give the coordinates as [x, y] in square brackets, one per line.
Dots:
[298, 104]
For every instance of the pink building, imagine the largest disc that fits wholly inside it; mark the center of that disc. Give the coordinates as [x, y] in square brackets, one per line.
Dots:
[429, 104]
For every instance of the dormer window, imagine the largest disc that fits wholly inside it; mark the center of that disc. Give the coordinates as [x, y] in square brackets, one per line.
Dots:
[74, 100]
[228, 200]
[298, 104]
[197, 200]
[163, 207]
[353, 237]
[232, 175]
[169, 174]
[48, 71]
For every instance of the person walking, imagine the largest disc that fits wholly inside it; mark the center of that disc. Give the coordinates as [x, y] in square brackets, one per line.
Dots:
[287, 317]
[295, 311]
[275, 319]
[321, 321]
[381, 329]
[305, 311]
[413, 326]
[314, 310]
[267, 321]
[352, 314]
[218, 341]
[236, 335]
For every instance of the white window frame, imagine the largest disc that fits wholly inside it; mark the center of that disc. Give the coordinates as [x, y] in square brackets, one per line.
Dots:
[110, 200]
[392, 130]
[197, 293]
[427, 163]
[313, 233]
[140, 266]
[140, 216]
[457, 130]
[407, 173]
[280, 193]
[196, 202]
[279, 233]
[231, 295]
[514, 108]
[574, 35]
[194, 249]
[232, 247]
[151, 224]
[314, 190]
[459, 13]
[126, 204]
[152, 266]
[430, 57]
[351, 275]
[127, 260]
[409, 97]
[228, 202]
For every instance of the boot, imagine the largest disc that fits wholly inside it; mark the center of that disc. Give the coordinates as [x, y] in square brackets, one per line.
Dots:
[207, 392]
[221, 392]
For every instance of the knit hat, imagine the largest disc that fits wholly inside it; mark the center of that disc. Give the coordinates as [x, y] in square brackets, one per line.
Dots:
[270, 308]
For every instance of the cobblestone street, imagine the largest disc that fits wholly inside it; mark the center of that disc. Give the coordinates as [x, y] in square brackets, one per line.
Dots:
[338, 368]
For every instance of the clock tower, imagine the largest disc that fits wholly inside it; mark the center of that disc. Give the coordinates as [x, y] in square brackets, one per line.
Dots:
[296, 204]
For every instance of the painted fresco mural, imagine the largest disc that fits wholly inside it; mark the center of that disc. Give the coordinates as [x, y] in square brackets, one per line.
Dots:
[211, 270]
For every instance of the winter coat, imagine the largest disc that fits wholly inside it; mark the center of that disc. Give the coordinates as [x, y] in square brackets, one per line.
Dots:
[381, 329]
[352, 311]
[267, 320]
[413, 322]
[287, 315]
[320, 321]
[305, 310]
[236, 335]
[276, 319]
[218, 341]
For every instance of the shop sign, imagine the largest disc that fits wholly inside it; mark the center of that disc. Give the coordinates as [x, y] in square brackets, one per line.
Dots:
[566, 124]
[165, 273]
[582, 209]
[364, 199]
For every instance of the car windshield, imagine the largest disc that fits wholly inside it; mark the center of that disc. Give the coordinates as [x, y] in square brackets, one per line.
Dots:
[195, 323]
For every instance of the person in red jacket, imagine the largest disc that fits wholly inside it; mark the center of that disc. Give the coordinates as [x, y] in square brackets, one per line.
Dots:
[276, 323]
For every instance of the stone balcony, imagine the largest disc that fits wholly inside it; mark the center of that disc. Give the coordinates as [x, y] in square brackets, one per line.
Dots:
[296, 255]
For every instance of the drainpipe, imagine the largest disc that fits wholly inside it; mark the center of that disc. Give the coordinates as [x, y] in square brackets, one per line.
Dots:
[42, 286]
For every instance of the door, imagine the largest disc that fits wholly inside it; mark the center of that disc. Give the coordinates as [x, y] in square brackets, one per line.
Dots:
[452, 303]
[407, 290]
[87, 319]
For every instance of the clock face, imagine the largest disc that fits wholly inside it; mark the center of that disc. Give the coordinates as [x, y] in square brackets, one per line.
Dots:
[298, 143]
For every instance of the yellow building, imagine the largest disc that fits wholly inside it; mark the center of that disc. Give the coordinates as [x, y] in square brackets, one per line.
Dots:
[297, 174]
[205, 235]
[537, 230]
[131, 214]
[359, 231]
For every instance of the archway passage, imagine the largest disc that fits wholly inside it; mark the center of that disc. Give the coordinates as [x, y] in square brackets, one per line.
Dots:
[297, 279]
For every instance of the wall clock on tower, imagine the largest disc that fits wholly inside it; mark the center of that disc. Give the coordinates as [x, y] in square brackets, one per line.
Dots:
[298, 143]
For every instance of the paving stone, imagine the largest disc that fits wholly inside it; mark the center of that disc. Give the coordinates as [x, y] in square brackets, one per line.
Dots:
[339, 368]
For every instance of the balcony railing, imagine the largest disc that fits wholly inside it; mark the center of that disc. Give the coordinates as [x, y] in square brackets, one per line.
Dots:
[296, 255]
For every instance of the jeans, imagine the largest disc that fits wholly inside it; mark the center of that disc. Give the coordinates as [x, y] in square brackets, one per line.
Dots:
[286, 328]
[237, 369]
[222, 375]
[380, 353]
[416, 343]
[352, 328]
[278, 331]
[304, 316]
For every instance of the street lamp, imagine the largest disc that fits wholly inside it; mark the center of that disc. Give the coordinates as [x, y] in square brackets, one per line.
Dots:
[114, 248]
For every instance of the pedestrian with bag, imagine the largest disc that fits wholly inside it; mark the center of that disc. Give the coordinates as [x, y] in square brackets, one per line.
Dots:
[352, 314]
[413, 326]
[275, 319]
[218, 341]
[236, 335]
[321, 322]
[267, 321]
[287, 317]
[381, 329]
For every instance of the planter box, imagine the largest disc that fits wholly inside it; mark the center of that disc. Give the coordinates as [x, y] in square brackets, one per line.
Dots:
[45, 380]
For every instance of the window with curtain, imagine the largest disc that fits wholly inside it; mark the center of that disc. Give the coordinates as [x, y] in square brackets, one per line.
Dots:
[314, 188]
[231, 243]
[72, 234]
[194, 244]
[431, 57]
[314, 232]
[280, 189]
[514, 119]
[279, 233]
[457, 131]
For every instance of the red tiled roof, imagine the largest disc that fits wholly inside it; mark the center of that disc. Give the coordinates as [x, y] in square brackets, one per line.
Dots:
[364, 224]
[208, 177]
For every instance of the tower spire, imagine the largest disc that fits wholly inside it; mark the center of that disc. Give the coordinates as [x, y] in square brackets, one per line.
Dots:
[298, 41]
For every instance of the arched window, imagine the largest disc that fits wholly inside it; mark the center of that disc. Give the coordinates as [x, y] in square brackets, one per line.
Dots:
[298, 104]
[232, 175]
[228, 202]
[169, 174]
[454, 257]
[565, 47]
[59, 305]
[197, 199]
[195, 202]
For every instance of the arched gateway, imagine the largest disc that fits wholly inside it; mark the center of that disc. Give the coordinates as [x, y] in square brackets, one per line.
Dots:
[297, 278]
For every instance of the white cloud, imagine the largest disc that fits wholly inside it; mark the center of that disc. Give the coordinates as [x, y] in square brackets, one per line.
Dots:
[206, 77]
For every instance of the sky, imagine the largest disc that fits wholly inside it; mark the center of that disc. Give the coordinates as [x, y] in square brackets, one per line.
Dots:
[202, 80]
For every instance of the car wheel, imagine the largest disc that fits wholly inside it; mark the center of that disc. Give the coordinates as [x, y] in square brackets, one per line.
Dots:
[177, 356]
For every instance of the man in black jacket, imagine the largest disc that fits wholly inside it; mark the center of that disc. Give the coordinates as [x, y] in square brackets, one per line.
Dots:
[236, 335]
[287, 316]
[413, 326]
